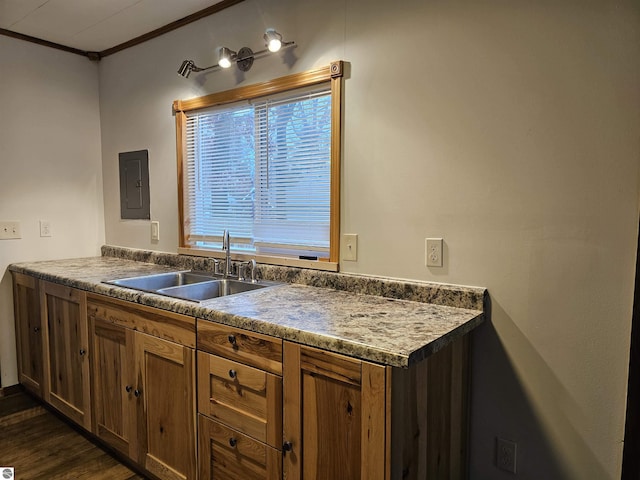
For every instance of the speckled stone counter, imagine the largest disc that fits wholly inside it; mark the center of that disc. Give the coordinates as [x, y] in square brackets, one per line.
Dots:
[336, 312]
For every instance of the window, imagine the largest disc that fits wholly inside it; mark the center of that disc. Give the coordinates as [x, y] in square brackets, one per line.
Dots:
[263, 163]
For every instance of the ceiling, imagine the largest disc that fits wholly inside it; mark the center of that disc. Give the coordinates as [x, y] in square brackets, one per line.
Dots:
[94, 25]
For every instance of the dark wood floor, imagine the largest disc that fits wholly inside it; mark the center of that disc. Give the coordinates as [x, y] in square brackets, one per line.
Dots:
[41, 446]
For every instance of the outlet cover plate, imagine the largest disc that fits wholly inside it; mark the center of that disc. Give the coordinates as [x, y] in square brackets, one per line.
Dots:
[433, 252]
[506, 455]
[45, 228]
[350, 247]
[155, 231]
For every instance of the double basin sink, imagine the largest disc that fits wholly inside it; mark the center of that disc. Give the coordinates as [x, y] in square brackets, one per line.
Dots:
[189, 285]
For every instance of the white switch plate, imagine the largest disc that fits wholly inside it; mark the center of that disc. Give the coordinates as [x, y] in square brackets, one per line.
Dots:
[9, 230]
[155, 231]
[433, 252]
[45, 228]
[350, 247]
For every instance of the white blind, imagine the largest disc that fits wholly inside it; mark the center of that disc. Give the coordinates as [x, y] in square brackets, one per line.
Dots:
[262, 171]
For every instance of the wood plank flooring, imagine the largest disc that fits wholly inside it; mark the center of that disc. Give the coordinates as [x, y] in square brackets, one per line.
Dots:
[40, 446]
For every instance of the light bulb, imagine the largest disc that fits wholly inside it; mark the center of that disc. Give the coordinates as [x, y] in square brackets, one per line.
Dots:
[273, 39]
[225, 57]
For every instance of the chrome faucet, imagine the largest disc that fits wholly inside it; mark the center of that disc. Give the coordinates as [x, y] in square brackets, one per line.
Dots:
[227, 249]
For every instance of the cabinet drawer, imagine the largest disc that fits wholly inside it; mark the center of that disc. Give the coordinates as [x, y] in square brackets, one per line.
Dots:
[255, 349]
[228, 454]
[243, 397]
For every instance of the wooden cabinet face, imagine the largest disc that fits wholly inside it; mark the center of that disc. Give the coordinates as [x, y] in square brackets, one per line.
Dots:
[334, 416]
[166, 411]
[228, 454]
[113, 384]
[254, 349]
[243, 397]
[64, 311]
[144, 386]
[28, 331]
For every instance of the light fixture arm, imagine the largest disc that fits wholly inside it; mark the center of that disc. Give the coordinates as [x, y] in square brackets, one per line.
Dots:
[262, 53]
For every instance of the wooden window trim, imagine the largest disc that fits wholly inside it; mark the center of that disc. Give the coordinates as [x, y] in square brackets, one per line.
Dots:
[332, 73]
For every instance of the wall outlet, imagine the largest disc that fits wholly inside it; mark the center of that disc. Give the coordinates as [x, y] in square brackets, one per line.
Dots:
[433, 252]
[506, 455]
[350, 247]
[45, 228]
[9, 230]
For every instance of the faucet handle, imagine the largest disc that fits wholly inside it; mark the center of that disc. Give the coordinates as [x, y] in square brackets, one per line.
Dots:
[216, 266]
[253, 265]
[242, 268]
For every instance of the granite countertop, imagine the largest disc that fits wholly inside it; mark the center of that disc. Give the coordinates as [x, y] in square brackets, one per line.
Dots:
[389, 331]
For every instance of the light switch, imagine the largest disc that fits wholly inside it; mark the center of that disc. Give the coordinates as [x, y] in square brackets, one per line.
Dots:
[155, 231]
[350, 247]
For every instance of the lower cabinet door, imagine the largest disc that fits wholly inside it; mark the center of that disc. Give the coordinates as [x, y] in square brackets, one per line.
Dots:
[66, 351]
[26, 307]
[334, 416]
[228, 454]
[164, 392]
[113, 384]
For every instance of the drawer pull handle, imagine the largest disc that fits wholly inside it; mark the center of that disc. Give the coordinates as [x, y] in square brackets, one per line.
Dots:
[233, 373]
[36, 329]
[137, 392]
[128, 388]
[287, 446]
[233, 442]
[82, 352]
[232, 340]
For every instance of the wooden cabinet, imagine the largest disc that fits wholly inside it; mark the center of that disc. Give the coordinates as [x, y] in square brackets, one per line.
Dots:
[341, 417]
[333, 410]
[144, 386]
[427, 416]
[66, 351]
[334, 416]
[165, 373]
[266, 408]
[240, 404]
[226, 453]
[113, 383]
[28, 324]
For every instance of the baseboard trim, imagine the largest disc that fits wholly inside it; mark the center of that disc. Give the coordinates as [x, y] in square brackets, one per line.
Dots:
[11, 390]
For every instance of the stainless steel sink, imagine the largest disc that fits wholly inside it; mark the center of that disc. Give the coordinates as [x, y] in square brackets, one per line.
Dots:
[153, 283]
[214, 289]
[187, 285]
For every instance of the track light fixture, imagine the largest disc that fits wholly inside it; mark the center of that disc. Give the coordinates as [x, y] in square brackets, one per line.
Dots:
[243, 58]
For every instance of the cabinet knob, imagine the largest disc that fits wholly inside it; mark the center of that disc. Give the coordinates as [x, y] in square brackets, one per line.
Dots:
[232, 340]
[137, 392]
[233, 374]
[233, 442]
[128, 388]
[36, 329]
[287, 446]
[82, 352]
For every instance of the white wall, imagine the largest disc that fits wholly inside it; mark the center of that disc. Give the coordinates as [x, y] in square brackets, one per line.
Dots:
[50, 165]
[510, 129]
